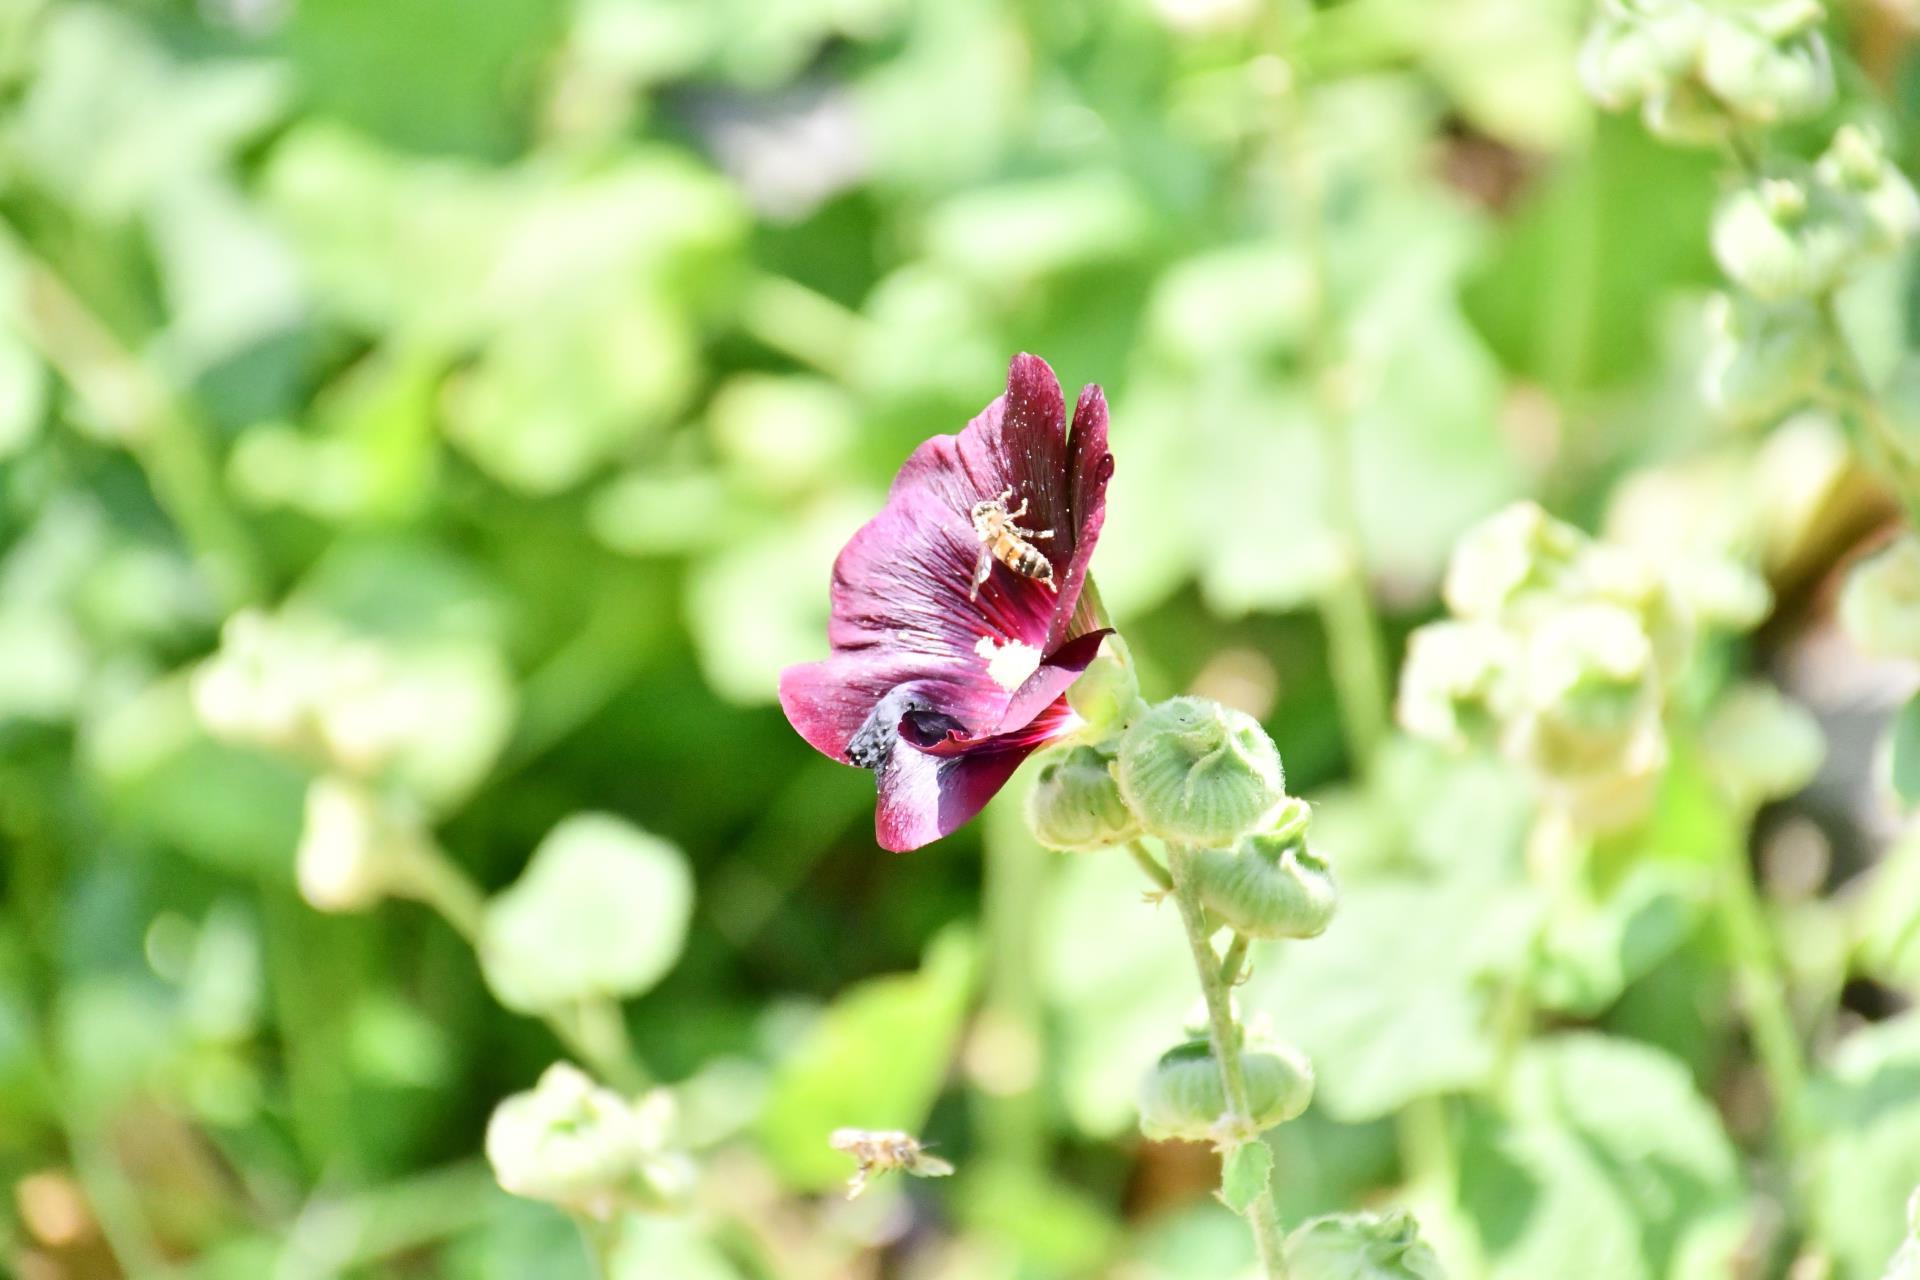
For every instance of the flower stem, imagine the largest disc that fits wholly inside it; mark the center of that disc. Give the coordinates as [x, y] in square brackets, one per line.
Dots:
[1263, 1216]
[1353, 652]
[1151, 866]
[1759, 978]
[1233, 962]
[145, 415]
[603, 1244]
[1346, 607]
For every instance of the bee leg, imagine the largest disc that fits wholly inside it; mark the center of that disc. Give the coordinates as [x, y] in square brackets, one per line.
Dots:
[1024, 503]
[982, 569]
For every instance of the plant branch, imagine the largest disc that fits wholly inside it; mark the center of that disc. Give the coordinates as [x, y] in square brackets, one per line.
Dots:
[1263, 1216]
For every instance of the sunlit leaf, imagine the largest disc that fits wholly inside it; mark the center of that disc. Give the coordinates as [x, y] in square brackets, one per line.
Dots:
[874, 1059]
[601, 910]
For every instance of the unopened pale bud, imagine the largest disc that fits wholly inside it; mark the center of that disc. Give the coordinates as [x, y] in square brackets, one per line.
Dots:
[1781, 241]
[1453, 683]
[1631, 57]
[1512, 554]
[1764, 78]
[1590, 663]
[1198, 773]
[1880, 605]
[1856, 166]
[1184, 1096]
[354, 848]
[572, 1143]
[1075, 804]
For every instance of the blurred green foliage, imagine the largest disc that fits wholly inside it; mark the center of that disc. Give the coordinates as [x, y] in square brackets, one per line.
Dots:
[472, 397]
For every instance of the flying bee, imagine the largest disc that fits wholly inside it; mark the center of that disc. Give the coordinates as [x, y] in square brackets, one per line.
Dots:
[1002, 539]
[882, 1151]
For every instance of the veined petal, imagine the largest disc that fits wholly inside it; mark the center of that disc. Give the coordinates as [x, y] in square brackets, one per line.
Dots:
[925, 795]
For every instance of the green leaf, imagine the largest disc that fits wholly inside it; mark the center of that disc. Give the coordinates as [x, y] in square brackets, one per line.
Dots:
[1391, 1003]
[1760, 746]
[601, 910]
[1606, 1153]
[1245, 1175]
[1906, 751]
[873, 1060]
[1865, 1112]
[1361, 1246]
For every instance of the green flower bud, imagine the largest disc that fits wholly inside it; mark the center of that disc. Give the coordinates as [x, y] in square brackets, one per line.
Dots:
[1880, 605]
[1589, 672]
[1770, 65]
[1765, 359]
[1107, 694]
[571, 1143]
[1271, 886]
[1687, 115]
[1075, 804]
[1512, 555]
[1454, 682]
[1631, 57]
[1361, 1246]
[1781, 240]
[1856, 166]
[1184, 1097]
[1195, 772]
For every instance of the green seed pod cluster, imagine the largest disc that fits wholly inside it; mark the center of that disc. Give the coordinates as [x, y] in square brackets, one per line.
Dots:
[1698, 69]
[1563, 654]
[1184, 1096]
[1361, 1246]
[1075, 804]
[1197, 773]
[1800, 232]
[1271, 885]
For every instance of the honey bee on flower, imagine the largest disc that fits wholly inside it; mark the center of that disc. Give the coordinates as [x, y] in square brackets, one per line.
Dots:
[1002, 539]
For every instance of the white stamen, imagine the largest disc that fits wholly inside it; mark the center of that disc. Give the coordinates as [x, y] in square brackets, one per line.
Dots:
[1009, 663]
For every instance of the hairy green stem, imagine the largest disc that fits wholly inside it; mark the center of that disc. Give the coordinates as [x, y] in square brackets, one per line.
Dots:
[1150, 866]
[802, 323]
[1263, 1216]
[1234, 962]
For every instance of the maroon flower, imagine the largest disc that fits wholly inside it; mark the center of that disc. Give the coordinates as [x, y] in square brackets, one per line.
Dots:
[959, 612]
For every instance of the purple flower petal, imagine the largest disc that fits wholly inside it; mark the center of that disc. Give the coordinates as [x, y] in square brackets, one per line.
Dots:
[918, 652]
[924, 796]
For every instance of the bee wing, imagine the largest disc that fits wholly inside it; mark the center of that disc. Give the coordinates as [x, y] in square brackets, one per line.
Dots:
[926, 1166]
